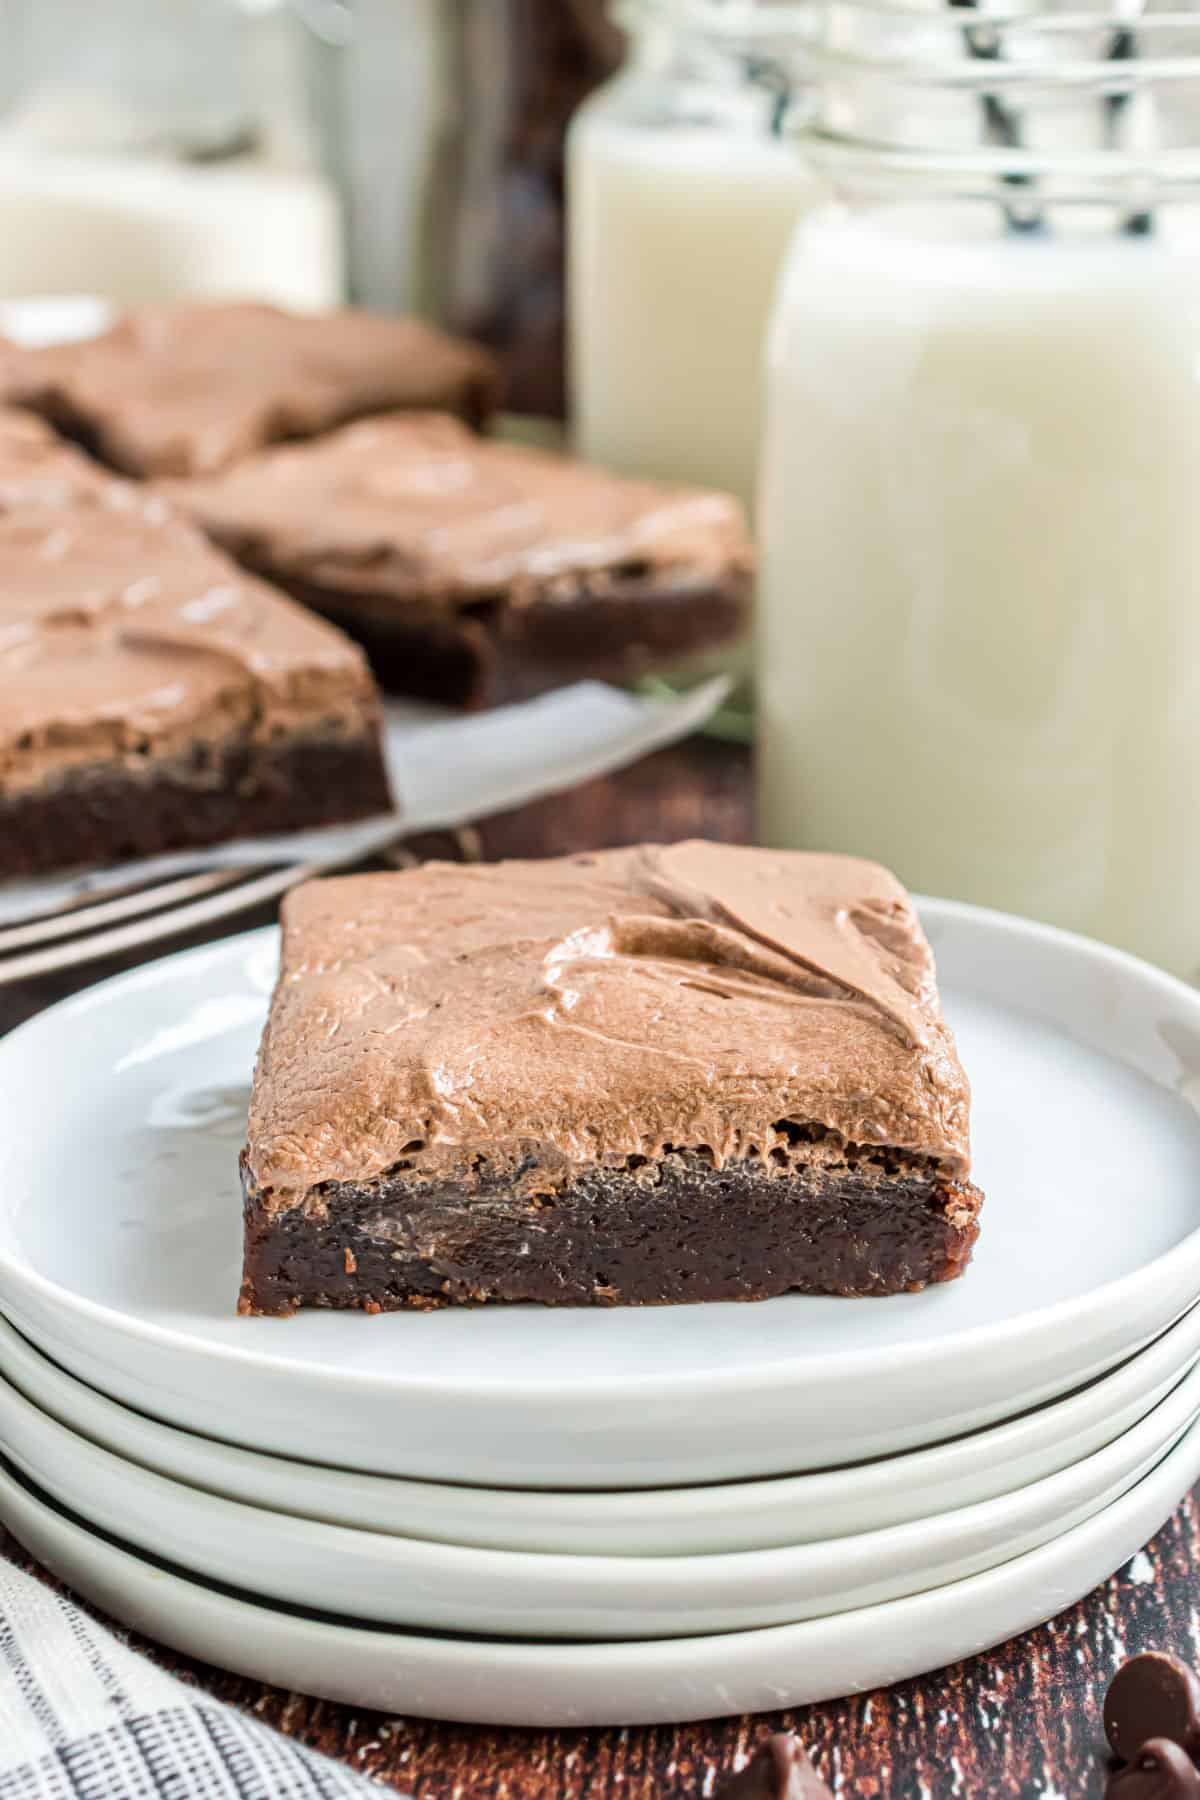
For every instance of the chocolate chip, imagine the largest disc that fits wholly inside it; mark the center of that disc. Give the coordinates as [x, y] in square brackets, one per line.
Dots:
[1152, 1696]
[1161, 1770]
[778, 1770]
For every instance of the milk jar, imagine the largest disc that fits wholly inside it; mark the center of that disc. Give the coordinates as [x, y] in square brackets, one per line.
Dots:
[682, 191]
[979, 650]
[149, 151]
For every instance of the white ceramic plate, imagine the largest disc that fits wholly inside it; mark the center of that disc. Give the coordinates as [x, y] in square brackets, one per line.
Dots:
[120, 1120]
[443, 1587]
[731, 1516]
[490, 1681]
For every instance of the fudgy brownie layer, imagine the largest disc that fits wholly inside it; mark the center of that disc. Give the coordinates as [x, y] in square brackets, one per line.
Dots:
[242, 790]
[610, 1237]
[490, 653]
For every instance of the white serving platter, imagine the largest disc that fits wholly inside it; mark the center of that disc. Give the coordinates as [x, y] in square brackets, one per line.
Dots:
[121, 1114]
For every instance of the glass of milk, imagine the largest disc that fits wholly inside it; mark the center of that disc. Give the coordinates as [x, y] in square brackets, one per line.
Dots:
[682, 190]
[979, 626]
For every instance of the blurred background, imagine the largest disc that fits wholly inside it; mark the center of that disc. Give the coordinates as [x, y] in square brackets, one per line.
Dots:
[407, 154]
[972, 481]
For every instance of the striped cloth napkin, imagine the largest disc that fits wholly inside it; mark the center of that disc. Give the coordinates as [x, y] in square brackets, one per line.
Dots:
[83, 1717]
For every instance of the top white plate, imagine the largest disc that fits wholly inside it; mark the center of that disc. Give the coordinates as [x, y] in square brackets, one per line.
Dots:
[121, 1115]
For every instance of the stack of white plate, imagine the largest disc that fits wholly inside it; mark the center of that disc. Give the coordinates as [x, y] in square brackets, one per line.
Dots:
[524, 1516]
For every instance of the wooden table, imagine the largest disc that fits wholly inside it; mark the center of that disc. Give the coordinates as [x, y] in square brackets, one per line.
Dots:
[1021, 1721]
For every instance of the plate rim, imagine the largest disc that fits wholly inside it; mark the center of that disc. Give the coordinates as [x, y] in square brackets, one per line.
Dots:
[1134, 1452]
[774, 1375]
[705, 1659]
[1178, 1369]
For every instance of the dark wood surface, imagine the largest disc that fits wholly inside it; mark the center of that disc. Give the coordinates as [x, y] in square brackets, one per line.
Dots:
[1023, 1720]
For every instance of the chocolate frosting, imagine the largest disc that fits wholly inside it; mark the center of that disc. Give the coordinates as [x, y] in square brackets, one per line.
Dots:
[186, 389]
[540, 1017]
[414, 507]
[124, 634]
[38, 469]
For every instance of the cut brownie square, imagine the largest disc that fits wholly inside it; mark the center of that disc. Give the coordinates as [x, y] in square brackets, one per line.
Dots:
[154, 697]
[641, 1076]
[180, 390]
[473, 571]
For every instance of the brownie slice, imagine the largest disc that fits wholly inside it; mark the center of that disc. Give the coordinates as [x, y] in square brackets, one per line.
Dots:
[641, 1076]
[180, 390]
[154, 697]
[473, 571]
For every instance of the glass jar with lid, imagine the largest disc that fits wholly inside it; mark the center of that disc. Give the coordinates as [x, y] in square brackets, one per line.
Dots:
[682, 192]
[979, 625]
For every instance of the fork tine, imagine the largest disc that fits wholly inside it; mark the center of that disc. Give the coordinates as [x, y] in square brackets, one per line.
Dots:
[148, 931]
[135, 936]
[88, 912]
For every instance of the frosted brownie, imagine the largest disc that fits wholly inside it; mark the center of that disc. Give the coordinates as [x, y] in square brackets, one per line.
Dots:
[153, 696]
[640, 1076]
[473, 571]
[173, 390]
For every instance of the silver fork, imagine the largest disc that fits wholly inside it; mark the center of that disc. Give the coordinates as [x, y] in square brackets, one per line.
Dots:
[114, 921]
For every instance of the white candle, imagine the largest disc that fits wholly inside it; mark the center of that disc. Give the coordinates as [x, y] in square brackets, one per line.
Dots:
[980, 583]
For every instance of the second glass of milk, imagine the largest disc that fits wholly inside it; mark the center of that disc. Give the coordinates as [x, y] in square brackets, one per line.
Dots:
[979, 621]
[683, 188]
